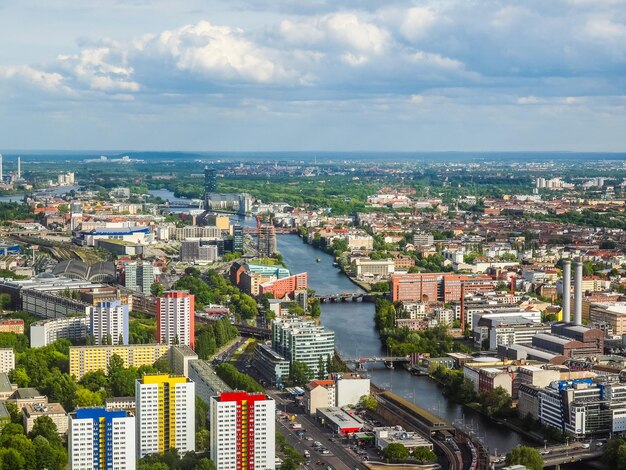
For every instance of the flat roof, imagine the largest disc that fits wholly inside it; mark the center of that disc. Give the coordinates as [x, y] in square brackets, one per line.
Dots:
[340, 418]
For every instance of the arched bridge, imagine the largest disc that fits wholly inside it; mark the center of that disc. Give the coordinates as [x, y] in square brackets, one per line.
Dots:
[347, 297]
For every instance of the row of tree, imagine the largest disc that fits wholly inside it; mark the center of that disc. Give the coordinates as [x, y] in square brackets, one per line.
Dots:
[238, 380]
[212, 336]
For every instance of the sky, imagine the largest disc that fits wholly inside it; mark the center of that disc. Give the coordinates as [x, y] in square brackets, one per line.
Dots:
[263, 75]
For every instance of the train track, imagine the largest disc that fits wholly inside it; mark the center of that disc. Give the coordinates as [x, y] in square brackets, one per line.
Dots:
[449, 449]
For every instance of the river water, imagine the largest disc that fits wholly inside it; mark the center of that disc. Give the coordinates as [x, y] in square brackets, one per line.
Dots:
[356, 336]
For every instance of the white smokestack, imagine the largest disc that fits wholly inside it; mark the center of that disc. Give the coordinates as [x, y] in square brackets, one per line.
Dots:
[1, 174]
[578, 293]
[19, 168]
[567, 276]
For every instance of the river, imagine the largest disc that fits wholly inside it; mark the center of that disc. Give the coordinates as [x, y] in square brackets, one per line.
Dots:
[355, 336]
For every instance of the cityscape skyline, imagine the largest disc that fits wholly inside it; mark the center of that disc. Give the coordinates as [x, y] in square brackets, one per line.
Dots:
[265, 76]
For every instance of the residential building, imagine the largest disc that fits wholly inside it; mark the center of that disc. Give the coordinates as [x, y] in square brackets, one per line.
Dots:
[272, 367]
[33, 411]
[303, 341]
[84, 359]
[423, 239]
[7, 360]
[99, 439]
[109, 323]
[319, 394]
[288, 286]
[120, 403]
[365, 267]
[176, 318]
[12, 326]
[243, 431]
[238, 238]
[45, 332]
[138, 276]
[165, 414]
[199, 251]
[267, 240]
[210, 180]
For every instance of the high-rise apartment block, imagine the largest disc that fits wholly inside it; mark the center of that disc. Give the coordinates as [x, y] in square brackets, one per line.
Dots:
[166, 409]
[175, 319]
[101, 440]
[210, 180]
[303, 341]
[139, 276]
[109, 323]
[267, 240]
[243, 431]
[238, 238]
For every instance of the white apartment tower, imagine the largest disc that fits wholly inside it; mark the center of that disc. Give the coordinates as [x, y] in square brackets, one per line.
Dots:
[101, 440]
[166, 409]
[243, 430]
[176, 319]
[109, 323]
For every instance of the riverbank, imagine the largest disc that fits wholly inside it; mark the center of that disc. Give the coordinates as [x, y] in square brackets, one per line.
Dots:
[356, 336]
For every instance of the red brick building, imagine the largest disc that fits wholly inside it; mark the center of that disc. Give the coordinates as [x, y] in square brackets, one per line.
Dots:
[286, 286]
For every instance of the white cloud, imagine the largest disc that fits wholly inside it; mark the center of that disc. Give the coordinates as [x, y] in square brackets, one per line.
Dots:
[39, 78]
[417, 22]
[417, 99]
[342, 30]
[435, 60]
[528, 100]
[215, 52]
[103, 68]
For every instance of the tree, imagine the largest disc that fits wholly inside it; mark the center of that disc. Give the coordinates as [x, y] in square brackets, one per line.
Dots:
[48, 456]
[423, 455]
[45, 427]
[321, 373]
[11, 459]
[205, 464]
[14, 412]
[203, 440]
[395, 451]
[202, 412]
[299, 373]
[315, 308]
[496, 402]
[157, 289]
[528, 456]
[87, 398]
[5, 301]
[368, 402]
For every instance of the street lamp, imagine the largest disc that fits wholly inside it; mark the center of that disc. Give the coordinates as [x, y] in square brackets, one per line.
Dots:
[545, 444]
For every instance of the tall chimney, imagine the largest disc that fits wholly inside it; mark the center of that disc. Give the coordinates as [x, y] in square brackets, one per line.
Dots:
[19, 168]
[578, 293]
[567, 291]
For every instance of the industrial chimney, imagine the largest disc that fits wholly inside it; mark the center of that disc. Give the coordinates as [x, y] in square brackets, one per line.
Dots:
[567, 291]
[19, 168]
[578, 292]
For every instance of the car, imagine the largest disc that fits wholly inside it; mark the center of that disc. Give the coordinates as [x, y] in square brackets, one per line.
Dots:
[544, 451]
[599, 444]
[585, 446]
[325, 452]
[309, 438]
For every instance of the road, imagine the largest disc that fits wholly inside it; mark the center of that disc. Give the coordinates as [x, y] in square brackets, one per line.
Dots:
[574, 452]
[340, 457]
